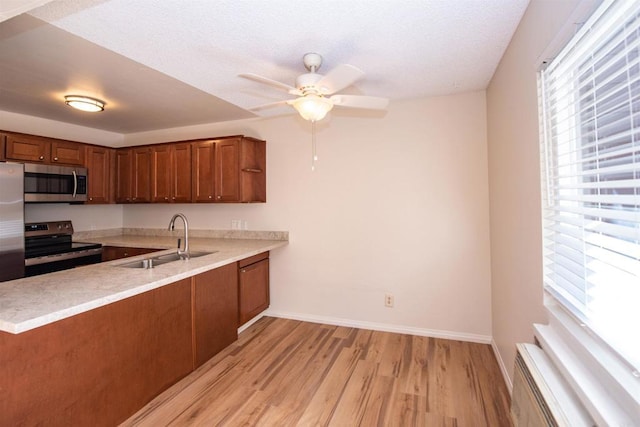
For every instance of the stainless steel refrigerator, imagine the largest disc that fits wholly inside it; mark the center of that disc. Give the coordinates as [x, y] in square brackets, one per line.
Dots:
[11, 221]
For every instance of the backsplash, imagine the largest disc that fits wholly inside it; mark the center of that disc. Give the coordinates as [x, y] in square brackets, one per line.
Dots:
[162, 232]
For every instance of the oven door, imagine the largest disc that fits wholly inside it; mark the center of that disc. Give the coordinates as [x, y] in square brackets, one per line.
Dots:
[52, 183]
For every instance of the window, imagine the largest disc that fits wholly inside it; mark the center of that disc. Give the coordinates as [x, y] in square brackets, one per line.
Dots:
[590, 105]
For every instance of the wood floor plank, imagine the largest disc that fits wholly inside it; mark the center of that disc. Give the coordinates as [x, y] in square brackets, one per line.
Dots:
[441, 394]
[416, 379]
[326, 398]
[378, 407]
[298, 384]
[289, 373]
[355, 397]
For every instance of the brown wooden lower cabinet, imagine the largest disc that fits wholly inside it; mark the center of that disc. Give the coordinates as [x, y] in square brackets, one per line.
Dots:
[253, 287]
[109, 253]
[215, 311]
[3, 139]
[99, 367]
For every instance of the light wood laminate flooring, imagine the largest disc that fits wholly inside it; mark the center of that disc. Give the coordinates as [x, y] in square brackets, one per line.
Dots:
[289, 373]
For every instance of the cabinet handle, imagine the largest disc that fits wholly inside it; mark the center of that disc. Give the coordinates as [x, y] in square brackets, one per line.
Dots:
[55, 159]
[219, 197]
[90, 199]
[41, 158]
[166, 198]
[173, 198]
[243, 271]
[209, 196]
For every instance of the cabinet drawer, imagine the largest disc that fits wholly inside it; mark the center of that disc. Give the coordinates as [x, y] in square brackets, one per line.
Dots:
[251, 260]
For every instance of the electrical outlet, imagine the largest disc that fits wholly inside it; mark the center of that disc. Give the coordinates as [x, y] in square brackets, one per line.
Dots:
[388, 300]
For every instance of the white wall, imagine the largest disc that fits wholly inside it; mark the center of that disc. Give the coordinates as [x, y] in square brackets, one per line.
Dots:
[89, 217]
[398, 203]
[514, 177]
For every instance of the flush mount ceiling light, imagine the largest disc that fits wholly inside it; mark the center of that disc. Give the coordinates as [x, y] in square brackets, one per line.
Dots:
[84, 103]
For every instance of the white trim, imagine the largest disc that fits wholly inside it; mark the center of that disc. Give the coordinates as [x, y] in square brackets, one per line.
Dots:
[503, 366]
[384, 327]
[580, 14]
[605, 385]
[251, 322]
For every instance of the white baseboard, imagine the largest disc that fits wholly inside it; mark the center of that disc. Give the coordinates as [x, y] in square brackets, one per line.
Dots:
[482, 339]
[252, 321]
[503, 367]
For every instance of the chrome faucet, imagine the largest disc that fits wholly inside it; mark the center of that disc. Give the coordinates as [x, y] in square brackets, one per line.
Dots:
[182, 253]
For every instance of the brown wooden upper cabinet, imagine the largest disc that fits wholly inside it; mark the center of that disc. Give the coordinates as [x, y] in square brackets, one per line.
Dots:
[240, 170]
[133, 175]
[30, 148]
[171, 173]
[203, 166]
[230, 169]
[100, 162]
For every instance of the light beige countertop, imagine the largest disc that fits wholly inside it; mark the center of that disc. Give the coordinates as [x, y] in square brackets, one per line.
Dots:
[36, 301]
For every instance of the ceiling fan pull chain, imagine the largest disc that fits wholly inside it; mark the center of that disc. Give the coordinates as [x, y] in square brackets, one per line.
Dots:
[314, 156]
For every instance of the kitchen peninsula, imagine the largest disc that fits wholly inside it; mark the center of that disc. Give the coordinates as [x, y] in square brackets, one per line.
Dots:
[93, 344]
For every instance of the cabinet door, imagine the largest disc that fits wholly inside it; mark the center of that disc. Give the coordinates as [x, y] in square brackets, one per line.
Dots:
[99, 164]
[181, 173]
[161, 174]
[203, 171]
[3, 139]
[124, 170]
[253, 290]
[28, 148]
[67, 152]
[215, 311]
[227, 170]
[141, 188]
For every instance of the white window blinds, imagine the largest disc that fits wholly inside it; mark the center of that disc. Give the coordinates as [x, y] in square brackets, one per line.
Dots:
[590, 105]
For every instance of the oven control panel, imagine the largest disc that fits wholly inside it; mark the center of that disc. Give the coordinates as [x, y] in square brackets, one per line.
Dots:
[47, 228]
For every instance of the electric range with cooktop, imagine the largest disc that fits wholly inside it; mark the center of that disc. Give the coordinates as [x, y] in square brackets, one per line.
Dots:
[49, 247]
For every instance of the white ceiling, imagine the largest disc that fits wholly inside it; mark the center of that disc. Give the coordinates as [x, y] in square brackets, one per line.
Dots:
[169, 63]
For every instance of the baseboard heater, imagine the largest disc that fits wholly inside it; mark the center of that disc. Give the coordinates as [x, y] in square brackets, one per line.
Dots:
[540, 395]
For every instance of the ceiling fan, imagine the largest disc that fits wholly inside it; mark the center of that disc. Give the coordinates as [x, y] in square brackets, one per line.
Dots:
[316, 93]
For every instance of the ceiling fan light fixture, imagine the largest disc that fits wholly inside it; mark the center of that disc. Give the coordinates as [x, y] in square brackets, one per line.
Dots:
[312, 107]
[84, 103]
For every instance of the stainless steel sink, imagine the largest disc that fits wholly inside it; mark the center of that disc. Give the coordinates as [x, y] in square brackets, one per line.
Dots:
[157, 260]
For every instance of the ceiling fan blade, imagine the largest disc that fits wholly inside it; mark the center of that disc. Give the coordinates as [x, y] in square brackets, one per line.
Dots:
[260, 79]
[337, 79]
[357, 101]
[269, 105]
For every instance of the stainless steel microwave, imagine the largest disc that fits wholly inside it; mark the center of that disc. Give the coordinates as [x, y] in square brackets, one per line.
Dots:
[53, 183]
